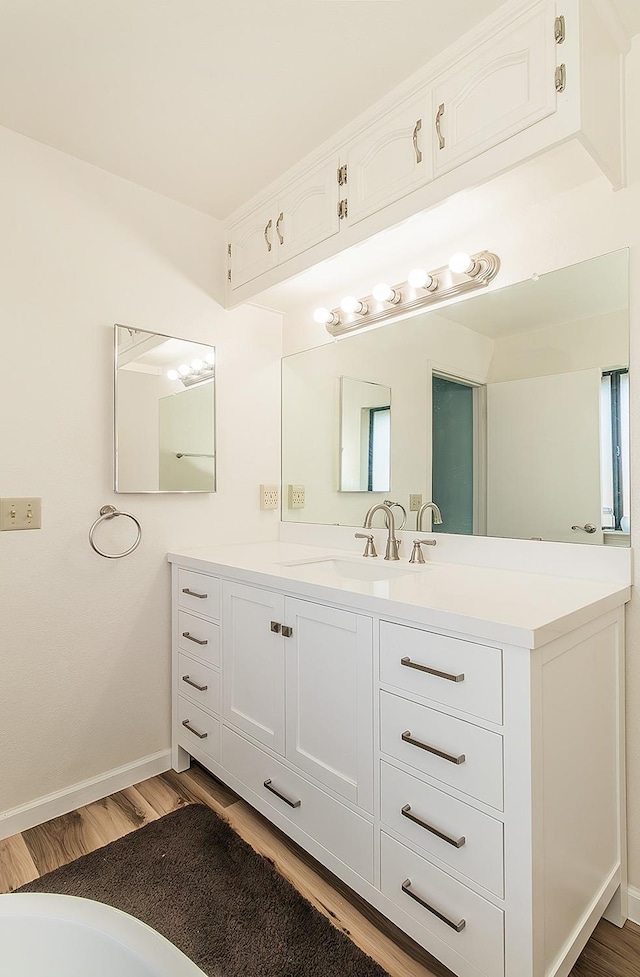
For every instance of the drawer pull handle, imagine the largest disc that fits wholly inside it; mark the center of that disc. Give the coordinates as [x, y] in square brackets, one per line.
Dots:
[201, 736]
[190, 637]
[458, 927]
[456, 842]
[439, 114]
[269, 786]
[432, 671]
[192, 593]
[407, 738]
[416, 129]
[200, 688]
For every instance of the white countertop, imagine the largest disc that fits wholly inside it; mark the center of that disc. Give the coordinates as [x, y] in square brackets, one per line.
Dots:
[510, 607]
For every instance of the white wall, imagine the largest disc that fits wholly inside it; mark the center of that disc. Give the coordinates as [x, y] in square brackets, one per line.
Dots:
[84, 641]
[536, 231]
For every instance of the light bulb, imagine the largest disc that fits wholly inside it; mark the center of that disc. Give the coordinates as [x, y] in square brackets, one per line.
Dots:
[323, 316]
[384, 293]
[461, 263]
[419, 278]
[184, 370]
[196, 365]
[351, 305]
[210, 357]
[173, 374]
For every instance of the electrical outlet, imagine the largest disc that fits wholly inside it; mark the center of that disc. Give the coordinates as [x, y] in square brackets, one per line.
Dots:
[269, 496]
[20, 514]
[415, 501]
[295, 496]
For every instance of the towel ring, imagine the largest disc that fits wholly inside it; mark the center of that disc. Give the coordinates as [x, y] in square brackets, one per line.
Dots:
[110, 512]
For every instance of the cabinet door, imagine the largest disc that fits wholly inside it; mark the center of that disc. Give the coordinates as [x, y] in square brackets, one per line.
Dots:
[253, 663]
[254, 245]
[329, 672]
[504, 87]
[308, 211]
[389, 159]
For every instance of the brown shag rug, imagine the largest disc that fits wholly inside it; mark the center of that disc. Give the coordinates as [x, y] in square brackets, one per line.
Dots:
[192, 878]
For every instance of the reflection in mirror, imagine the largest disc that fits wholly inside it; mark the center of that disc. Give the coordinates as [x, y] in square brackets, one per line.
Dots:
[365, 436]
[164, 413]
[510, 411]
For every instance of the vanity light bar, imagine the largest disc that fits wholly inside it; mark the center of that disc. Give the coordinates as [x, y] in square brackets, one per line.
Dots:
[439, 285]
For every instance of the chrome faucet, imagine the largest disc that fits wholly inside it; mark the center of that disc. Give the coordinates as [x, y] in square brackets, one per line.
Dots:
[437, 516]
[393, 544]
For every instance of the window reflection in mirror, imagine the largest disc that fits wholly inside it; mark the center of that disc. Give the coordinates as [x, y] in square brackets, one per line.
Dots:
[510, 410]
[164, 413]
[365, 436]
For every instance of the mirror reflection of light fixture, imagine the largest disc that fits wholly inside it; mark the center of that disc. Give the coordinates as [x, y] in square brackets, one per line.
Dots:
[198, 372]
[464, 273]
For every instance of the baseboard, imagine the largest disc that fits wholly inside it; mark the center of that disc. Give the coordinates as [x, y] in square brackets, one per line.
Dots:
[633, 895]
[26, 816]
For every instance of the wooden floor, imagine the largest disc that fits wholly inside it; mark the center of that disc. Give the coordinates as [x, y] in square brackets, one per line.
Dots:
[611, 952]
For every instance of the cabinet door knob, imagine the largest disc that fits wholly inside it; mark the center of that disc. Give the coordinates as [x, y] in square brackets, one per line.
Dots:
[266, 234]
[439, 114]
[450, 677]
[275, 627]
[458, 927]
[287, 631]
[416, 129]
[408, 738]
[406, 812]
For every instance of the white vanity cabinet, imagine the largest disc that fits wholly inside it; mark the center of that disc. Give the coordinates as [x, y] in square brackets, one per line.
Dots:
[466, 780]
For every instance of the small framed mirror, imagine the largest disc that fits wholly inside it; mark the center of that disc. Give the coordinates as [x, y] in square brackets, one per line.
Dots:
[164, 413]
[365, 436]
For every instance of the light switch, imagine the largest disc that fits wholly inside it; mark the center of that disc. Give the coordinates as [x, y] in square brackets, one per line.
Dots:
[20, 514]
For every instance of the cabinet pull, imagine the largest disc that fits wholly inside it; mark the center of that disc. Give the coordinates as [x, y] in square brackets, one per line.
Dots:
[416, 129]
[458, 927]
[201, 736]
[275, 627]
[190, 637]
[407, 738]
[200, 688]
[432, 671]
[266, 234]
[192, 593]
[439, 115]
[269, 786]
[287, 631]
[278, 223]
[456, 842]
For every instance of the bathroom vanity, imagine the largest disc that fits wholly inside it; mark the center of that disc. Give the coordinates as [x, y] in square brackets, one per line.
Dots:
[446, 739]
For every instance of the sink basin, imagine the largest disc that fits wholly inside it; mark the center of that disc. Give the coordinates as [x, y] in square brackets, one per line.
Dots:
[352, 569]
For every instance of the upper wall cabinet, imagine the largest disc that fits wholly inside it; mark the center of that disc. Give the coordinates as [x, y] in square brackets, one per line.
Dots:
[495, 92]
[534, 74]
[390, 158]
[303, 215]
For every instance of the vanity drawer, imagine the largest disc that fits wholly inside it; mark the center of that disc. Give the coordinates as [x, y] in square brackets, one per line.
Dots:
[199, 637]
[481, 938]
[200, 683]
[199, 592]
[204, 731]
[473, 756]
[470, 676]
[341, 831]
[478, 849]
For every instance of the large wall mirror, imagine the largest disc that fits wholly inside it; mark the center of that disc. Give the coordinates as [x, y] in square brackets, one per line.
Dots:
[510, 411]
[164, 413]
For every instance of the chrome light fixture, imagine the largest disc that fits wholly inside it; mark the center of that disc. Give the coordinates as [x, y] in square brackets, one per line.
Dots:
[463, 273]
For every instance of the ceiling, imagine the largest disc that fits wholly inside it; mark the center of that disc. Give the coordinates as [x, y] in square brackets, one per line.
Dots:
[207, 101]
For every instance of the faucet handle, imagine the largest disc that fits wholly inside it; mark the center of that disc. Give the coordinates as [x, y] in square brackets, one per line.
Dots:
[417, 556]
[369, 546]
